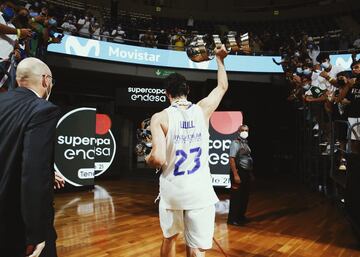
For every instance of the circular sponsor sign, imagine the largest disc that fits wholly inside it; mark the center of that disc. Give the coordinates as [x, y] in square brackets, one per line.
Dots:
[85, 146]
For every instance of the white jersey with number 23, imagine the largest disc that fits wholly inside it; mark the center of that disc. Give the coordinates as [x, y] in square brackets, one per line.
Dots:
[185, 182]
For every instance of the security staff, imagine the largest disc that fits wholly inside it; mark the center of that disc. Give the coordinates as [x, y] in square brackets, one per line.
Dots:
[241, 174]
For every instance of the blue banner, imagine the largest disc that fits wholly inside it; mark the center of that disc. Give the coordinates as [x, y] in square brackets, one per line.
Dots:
[90, 48]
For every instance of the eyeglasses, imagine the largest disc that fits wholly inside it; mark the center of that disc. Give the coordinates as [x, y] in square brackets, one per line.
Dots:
[356, 67]
[52, 79]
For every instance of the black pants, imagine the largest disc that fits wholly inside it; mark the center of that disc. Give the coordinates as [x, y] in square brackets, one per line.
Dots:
[19, 250]
[239, 198]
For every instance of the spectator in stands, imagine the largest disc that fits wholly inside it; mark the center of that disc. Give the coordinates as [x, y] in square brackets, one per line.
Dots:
[316, 96]
[328, 75]
[9, 42]
[44, 26]
[149, 39]
[9, 35]
[351, 96]
[312, 49]
[178, 40]
[340, 101]
[118, 34]
[68, 27]
[84, 26]
[162, 40]
[105, 34]
[95, 31]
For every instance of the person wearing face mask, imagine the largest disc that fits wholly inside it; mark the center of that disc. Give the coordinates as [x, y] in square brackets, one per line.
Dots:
[329, 72]
[27, 133]
[241, 174]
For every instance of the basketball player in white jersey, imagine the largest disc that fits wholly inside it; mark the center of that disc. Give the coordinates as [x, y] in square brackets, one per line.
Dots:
[180, 144]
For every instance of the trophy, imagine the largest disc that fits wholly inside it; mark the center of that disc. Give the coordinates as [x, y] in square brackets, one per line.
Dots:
[144, 138]
[202, 47]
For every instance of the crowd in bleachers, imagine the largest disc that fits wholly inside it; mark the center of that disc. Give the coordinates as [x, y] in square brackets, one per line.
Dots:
[149, 31]
[325, 92]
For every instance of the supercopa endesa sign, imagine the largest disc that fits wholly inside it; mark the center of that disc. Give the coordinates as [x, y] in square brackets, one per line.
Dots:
[223, 129]
[85, 146]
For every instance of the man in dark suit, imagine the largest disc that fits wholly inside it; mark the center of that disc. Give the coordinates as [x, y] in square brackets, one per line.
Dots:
[27, 133]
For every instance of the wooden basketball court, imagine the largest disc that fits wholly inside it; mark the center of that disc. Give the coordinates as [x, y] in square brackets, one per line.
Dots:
[119, 218]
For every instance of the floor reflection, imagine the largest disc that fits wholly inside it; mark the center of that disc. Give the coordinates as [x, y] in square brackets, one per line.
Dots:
[222, 207]
[95, 214]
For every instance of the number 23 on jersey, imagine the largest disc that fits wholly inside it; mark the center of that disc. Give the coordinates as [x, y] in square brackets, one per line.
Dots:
[196, 152]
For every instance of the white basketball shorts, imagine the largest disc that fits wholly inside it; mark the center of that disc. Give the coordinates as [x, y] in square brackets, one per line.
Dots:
[197, 225]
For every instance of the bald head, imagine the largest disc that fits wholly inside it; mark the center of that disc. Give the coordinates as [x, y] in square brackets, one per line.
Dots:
[33, 73]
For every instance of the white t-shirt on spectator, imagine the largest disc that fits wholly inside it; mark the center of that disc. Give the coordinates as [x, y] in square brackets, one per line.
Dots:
[84, 30]
[68, 28]
[81, 21]
[7, 41]
[119, 35]
[96, 34]
[315, 82]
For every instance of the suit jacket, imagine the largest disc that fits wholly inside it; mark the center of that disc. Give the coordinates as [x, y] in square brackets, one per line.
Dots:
[27, 133]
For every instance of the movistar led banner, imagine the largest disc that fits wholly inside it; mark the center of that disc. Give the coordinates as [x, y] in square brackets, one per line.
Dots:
[83, 47]
[90, 48]
[223, 129]
[85, 146]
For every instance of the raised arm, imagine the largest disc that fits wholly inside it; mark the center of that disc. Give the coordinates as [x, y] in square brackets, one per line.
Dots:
[212, 101]
[157, 156]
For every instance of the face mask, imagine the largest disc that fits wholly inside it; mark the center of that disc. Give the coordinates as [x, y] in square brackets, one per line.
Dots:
[48, 93]
[325, 65]
[297, 54]
[307, 72]
[306, 86]
[244, 134]
[299, 70]
[8, 14]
